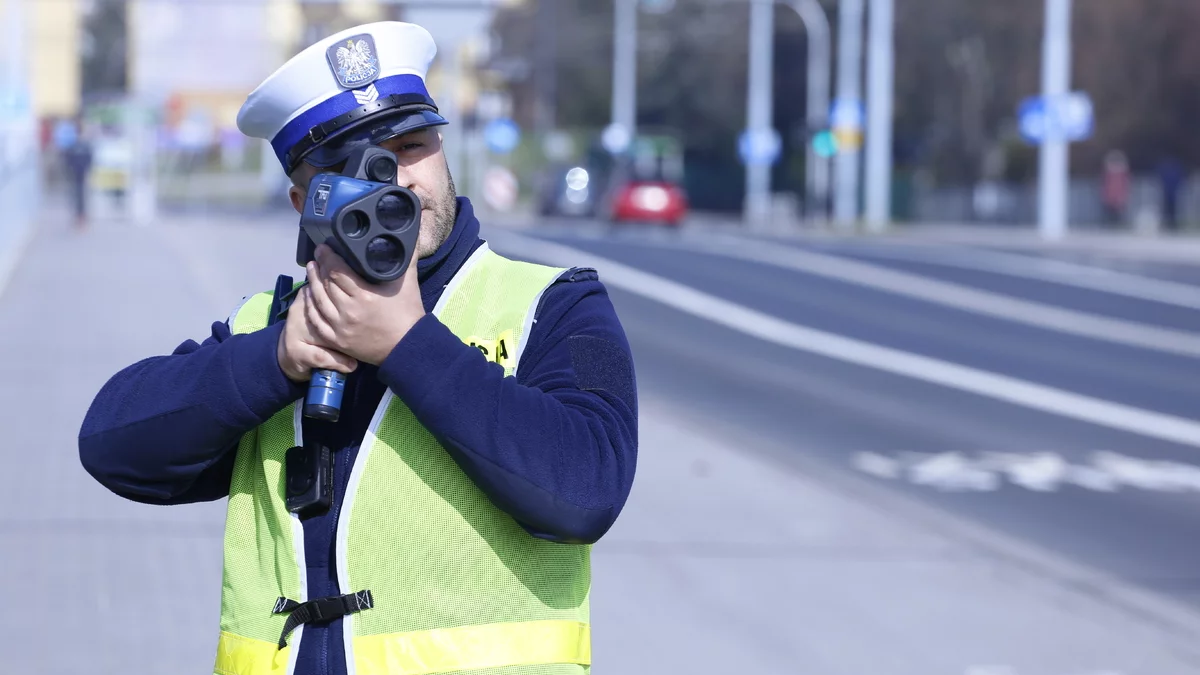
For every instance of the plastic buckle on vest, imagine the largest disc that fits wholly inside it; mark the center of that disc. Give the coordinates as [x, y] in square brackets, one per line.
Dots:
[283, 298]
[321, 609]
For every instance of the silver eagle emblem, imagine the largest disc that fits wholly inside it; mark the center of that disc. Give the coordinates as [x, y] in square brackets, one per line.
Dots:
[354, 61]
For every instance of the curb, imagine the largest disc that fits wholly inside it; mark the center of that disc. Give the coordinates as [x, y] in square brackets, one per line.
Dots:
[10, 252]
[16, 234]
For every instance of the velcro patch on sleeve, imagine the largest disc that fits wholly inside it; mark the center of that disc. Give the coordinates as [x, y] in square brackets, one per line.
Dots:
[602, 365]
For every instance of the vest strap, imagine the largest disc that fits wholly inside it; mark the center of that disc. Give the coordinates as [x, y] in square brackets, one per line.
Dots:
[321, 609]
[283, 298]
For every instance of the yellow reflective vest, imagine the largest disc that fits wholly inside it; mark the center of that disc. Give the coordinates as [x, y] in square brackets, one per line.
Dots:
[455, 584]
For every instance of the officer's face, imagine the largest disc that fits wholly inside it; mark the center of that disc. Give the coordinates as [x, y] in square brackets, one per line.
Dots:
[422, 169]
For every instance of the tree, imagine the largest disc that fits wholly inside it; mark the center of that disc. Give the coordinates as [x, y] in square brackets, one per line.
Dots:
[104, 68]
[962, 70]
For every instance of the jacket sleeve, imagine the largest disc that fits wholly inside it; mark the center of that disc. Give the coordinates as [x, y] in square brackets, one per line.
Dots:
[162, 430]
[556, 445]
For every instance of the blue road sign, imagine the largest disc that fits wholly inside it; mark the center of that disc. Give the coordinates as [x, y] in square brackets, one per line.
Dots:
[502, 136]
[847, 116]
[1067, 118]
[759, 146]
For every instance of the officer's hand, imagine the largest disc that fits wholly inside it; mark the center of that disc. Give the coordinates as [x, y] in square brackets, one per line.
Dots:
[300, 352]
[356, 317]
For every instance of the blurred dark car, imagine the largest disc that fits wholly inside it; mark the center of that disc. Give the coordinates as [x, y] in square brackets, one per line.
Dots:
[643, 185]
[572, 191]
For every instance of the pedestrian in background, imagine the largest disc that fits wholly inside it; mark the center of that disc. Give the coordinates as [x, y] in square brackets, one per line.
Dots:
[1171, 177]
[77, 156]
[1116, 187]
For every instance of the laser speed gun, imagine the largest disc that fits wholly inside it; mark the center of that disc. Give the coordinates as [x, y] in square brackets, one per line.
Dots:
[370, 222]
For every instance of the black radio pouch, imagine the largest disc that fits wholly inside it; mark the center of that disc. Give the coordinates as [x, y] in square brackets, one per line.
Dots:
[308, 468]
[309, 473]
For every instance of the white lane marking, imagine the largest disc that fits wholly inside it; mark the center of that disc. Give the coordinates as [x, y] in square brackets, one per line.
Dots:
[1103, 471]
[1045, 269]
[1009, 670]
[766, 327]
[955, 295]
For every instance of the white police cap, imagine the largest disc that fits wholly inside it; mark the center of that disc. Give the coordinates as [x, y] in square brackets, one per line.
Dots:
[362, 85]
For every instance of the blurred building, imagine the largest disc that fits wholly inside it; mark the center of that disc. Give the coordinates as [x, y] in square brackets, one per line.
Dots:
[158, 83]
[196, 59]
[53, 56]
[39, 65]
[203, 75]
[186, 55]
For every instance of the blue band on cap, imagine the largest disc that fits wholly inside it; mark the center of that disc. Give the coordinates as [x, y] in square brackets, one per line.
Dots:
[341, 104]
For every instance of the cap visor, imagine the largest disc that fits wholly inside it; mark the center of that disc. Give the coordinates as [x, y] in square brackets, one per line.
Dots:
[370, 131]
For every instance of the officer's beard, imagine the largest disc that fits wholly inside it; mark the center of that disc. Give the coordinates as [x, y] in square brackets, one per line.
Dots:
[444, 209]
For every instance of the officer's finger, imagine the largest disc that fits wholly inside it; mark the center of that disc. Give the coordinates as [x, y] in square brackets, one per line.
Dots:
[318, 327]
[335, 360]
[339, 274]
[319, 295]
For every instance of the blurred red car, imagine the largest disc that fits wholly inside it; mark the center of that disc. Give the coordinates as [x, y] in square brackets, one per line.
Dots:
[649, 201]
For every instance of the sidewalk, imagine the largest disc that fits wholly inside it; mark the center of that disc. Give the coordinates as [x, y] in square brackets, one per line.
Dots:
[723, 563]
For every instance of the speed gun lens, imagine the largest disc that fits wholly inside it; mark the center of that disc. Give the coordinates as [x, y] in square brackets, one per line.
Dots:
[382, 169]
[394, 212]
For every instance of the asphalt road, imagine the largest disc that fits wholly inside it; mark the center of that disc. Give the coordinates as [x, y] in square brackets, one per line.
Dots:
[1022, 471]
[803, 504]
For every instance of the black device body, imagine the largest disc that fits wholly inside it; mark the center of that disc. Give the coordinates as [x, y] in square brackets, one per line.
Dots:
[369, 221]
[308, 470]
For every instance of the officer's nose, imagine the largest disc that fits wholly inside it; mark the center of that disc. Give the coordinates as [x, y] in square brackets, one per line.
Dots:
[406, 178]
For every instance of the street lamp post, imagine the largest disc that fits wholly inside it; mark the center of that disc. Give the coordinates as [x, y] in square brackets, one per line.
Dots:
[759, 99]
[820, 68]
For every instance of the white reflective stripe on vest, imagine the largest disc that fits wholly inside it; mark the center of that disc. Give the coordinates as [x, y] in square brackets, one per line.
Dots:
[341, 556]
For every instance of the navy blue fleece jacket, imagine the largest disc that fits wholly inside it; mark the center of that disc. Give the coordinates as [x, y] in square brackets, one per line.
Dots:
[555, 447]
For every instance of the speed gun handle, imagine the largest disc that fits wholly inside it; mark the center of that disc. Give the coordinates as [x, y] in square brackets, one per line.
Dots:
[325, 387]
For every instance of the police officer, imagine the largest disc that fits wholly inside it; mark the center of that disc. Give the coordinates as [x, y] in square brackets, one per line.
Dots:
[488, 432]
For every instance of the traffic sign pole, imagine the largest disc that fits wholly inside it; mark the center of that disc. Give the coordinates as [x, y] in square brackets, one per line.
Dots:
[880, 69]
[849, 86]
[1053, 161]
[758, 110]
[624, 94]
